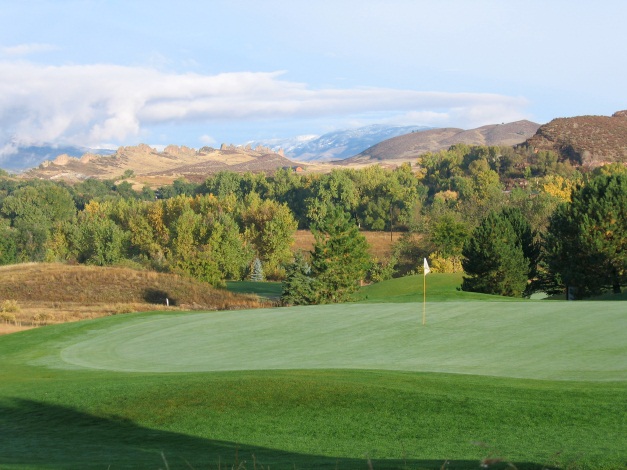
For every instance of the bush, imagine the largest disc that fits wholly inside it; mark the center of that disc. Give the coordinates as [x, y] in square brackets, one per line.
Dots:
[382, 270]
[43, 318]
[9, 306]
[445, 264]
[8, 318]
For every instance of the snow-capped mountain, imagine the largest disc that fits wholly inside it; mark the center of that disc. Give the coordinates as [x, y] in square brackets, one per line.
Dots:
[336, 145]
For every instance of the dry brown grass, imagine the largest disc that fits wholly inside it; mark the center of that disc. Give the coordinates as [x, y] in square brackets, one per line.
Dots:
[55, 293]
[379, 242]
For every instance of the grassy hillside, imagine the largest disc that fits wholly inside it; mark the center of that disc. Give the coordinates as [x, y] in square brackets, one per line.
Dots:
[51, 293]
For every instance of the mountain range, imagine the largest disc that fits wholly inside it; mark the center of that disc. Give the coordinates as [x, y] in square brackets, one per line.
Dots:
[336, 145]
[584, 140]
[410, 146]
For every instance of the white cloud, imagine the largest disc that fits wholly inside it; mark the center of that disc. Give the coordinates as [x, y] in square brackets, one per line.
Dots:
[27, 49]
[208, 140]
[95, 104]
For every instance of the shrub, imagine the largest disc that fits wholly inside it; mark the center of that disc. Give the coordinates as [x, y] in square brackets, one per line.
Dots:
[43, 318]
[382, 270]
[445, 264]
[8, 318]
[9, 306]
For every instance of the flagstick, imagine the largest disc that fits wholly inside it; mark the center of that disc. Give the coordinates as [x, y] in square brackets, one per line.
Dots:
[424, 299]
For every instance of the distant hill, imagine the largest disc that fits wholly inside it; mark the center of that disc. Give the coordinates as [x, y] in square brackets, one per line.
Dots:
[406, 148]
[337, 145]
[31, 156]
[149, 166]
[585, 140]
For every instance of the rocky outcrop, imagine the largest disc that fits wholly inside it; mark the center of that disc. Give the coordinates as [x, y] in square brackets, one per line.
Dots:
[181, 151]
[585, 140]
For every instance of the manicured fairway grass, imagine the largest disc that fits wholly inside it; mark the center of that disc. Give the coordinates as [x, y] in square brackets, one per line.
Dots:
[537, 384]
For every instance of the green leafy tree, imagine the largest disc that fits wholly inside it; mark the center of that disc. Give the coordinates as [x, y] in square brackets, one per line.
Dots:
[33, 211]
[586, 241]
[8, 244]
[221, 184]
[449, 236]
[269, 227]
[98, 240]
[339, 259]
[494, 260]
[228, 248]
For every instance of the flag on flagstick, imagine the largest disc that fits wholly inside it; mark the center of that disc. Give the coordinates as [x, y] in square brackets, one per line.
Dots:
[426, 271]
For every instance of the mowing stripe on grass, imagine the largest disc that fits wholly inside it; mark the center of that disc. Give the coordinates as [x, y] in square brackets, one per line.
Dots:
[541, 340]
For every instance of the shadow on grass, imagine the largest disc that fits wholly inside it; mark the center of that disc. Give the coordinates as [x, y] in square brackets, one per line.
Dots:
[41, 435]
[157, 296]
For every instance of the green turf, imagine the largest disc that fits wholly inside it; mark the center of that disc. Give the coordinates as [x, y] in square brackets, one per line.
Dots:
[540, 340]
[268, 290]
[439, 287]
[538, 384]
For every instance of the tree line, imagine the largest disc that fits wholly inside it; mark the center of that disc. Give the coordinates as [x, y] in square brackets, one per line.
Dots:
[508, 218]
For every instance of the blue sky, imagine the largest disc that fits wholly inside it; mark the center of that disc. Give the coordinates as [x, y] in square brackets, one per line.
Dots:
[110, 73]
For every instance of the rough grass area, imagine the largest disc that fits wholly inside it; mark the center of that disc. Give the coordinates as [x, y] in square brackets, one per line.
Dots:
[52, 293]
[380, 243]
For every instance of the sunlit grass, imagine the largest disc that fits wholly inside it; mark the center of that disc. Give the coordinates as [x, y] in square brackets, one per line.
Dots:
[527, 384]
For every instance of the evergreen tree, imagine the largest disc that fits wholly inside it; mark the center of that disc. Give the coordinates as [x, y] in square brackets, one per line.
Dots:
[256, 273]
[339, 259]
[298, 286]
[494, 259]
[586, 241]
[527, 238]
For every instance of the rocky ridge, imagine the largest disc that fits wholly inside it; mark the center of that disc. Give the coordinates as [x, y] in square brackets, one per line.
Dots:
[589, 141]
[148, 165]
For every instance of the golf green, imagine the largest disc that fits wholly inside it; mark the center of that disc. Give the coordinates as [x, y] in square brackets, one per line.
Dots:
[534, 339]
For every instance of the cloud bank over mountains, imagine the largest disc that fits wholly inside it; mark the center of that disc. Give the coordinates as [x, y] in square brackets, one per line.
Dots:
[104, 105]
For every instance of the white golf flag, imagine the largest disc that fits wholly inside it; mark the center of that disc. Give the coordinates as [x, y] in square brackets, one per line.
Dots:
[426, 270]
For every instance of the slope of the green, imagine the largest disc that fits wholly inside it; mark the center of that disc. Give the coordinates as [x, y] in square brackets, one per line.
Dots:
[439, 287]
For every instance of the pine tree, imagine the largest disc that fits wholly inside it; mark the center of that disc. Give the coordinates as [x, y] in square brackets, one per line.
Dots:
[256, 274]
[298, 284]
[494, 259]
[527, 238]
[339, 259]
[586, 241]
